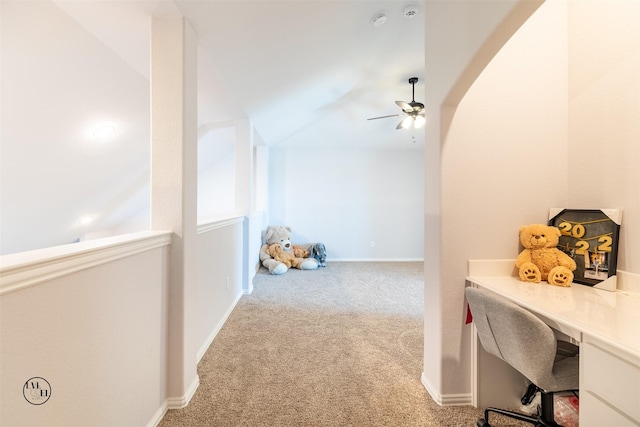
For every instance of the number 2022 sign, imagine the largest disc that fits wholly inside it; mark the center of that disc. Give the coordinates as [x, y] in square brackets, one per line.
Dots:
[590, 237]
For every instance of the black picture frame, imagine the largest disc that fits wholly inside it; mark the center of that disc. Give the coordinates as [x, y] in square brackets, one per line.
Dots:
[590, 237]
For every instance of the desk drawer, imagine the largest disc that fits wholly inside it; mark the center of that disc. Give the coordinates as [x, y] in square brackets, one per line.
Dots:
[595, 413]
[610, 378]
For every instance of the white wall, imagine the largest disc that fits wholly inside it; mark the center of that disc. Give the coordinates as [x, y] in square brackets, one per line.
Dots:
[59, 83]
[604, 112]
[557, 103]
[349, 198]
[216, 144]
[503, 165]
[93, 316]
[219, 277]
[461, 38]
[216, 177]
[91, 319]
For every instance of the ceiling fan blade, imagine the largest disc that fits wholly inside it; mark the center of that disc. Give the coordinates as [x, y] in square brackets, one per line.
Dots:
[405, 106]
[384, 117]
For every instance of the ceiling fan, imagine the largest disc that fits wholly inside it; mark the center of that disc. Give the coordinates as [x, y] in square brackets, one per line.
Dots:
[414, 111]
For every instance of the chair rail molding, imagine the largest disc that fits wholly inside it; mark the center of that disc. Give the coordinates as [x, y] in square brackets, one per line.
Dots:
[25, 269]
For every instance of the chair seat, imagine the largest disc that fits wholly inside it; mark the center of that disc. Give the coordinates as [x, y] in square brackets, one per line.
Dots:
[525, 342]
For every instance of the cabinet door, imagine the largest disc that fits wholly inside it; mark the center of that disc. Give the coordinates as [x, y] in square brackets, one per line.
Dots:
[610, 382]
[595, 413]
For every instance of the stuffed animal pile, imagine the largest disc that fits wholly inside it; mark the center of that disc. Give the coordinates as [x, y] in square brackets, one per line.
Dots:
[279, 254]
[279, 260]
[541, 259]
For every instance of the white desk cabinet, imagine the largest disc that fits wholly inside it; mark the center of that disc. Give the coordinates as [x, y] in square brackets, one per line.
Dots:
[609, 385]
[605, 324]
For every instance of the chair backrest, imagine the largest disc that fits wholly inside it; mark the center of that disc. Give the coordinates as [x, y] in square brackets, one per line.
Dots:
[513, 334]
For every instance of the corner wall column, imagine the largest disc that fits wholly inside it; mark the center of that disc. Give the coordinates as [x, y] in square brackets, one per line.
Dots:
[174, 190]
[245, 202]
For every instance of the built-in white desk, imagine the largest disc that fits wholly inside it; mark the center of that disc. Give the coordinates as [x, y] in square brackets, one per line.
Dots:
[605, 324]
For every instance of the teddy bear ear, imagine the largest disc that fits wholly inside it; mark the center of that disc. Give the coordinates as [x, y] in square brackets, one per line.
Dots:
[288, 228]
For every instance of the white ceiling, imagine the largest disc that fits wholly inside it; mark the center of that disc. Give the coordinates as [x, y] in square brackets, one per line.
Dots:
[308, 73]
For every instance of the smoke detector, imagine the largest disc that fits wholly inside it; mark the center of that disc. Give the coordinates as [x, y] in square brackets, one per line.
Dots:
[410, 11]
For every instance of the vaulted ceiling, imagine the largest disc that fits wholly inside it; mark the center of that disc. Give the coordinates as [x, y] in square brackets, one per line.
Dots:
[307, 73]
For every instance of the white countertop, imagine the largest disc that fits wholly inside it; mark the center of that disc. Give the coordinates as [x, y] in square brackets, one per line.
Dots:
[612, 317]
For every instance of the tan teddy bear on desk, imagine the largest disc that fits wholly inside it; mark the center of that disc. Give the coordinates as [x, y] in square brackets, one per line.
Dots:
[541, 259]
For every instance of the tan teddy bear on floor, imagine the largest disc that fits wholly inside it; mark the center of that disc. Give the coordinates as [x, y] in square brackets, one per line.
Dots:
[541, 259]
[300, 252]
[278, 253]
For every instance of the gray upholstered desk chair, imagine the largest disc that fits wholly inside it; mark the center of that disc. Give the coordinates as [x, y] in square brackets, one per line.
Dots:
[525, 342]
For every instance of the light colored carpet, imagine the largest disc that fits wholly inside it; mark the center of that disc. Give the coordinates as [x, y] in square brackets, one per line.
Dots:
[339, 346]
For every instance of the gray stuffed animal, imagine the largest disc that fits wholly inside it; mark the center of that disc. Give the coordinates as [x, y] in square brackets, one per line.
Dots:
[318, 251]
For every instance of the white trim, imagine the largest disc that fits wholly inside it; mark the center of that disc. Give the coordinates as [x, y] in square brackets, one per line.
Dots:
[474, 366]
[25, 269]
[431, 390]
[628, 283]
[183, 401]
[248, 291]
[211, 225]
[217, 328]
[158, 416]
[447, 399]
[491, 267]
[461, 399]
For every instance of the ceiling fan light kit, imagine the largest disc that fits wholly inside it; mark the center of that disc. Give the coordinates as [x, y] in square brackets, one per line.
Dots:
[414, 111]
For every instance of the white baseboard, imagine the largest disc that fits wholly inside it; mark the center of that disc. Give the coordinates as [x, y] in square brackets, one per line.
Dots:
[445, 399]
[217, 328]
[629, 283]
[181, 402]
[174, 403]
[462, 399]
[158, 416]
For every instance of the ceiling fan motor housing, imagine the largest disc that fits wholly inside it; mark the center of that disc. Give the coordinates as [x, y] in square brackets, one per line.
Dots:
[416, 105]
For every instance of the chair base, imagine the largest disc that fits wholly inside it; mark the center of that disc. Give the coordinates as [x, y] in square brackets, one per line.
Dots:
[543, 419]
[536, 421]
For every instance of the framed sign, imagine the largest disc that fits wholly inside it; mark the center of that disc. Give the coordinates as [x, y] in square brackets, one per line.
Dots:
[590, 237]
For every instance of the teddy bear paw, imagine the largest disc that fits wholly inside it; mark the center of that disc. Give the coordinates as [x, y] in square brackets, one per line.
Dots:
[279, 269]
[560, 276]
[309, 264]
[529, 272]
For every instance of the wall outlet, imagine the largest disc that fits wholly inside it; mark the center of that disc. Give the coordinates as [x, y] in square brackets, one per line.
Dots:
[373, 244]
[228, 283]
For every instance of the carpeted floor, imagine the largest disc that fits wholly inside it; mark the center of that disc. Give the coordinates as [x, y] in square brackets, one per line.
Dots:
[339, 346]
